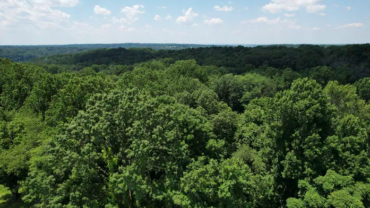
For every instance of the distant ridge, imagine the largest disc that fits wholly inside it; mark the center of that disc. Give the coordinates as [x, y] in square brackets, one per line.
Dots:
[22, 53]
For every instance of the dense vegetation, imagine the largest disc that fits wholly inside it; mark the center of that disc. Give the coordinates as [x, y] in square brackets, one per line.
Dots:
[276, 129]
[350, 62]
[27, 53]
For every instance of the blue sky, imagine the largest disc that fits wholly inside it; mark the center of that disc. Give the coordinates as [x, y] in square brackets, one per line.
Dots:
[30, 22]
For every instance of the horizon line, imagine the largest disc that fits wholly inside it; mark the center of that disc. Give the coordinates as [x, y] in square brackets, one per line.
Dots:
[212, 44]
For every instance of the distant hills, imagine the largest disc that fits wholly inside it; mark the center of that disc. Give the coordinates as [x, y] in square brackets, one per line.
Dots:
[26, 53]
[23, 53]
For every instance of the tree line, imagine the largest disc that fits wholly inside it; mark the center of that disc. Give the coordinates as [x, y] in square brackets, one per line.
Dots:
[352, 62]
[28, 53]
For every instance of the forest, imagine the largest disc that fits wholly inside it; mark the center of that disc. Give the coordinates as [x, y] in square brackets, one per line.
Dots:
[27, 53]
[267, 126]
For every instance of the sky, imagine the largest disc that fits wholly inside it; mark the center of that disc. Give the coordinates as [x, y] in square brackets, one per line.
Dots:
[48, 22]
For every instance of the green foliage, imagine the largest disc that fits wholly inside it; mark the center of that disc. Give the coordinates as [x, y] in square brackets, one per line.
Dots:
[321, 74]
[40, 98]
[73, 97]
[230, 89]
[349, 148]
[346, 99]
[27, 53]
[188, 69]
[285, 78]
[20, 134]
[363, 88]
[4, 194]
[17, 82]
[229, 183]
[236, 60]
[303, 121]
[207, 127]
[288, 133]
[152, 141]
[332, 190]
[238, 90]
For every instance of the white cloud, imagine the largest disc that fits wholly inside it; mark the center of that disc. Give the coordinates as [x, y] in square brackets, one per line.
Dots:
[352, 25]
[146, 31]
[100, 10]
[170, 32]
[157, 17]
[224, 8]
[106, 26]
[4, 23]
[126, 29]
[132, 12]
[277, 22]
[349, 8]
[316, 28]
[168, 17]
[277, 6]
[315, 8]
[264, 20]
[162, 7]
[195, 25]
[39, 13]
[51, 3]
[246, 8]
[119, 21]
[236, 32]
[188, 17]
[81, 28]
[289, 15]
[213, 21]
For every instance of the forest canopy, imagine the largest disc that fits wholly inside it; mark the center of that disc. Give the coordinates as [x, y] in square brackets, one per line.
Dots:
[207, 127]
[350, 62]
[27, 53]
